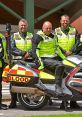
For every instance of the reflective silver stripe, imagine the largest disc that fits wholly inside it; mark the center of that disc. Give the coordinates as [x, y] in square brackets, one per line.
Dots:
[51, 56]
[16, 57]
[0, 49]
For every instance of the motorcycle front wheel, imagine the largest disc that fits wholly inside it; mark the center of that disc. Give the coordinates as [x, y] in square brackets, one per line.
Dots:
[32, 101]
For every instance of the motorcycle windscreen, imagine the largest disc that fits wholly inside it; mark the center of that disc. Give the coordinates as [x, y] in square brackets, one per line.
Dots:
[19, 73]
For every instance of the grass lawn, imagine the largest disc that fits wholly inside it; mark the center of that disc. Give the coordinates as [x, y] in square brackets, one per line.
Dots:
[61, 115]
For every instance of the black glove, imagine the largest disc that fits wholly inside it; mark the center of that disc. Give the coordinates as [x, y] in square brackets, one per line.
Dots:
[37, 62]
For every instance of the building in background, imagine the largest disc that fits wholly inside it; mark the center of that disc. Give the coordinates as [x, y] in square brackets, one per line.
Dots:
[37, 11]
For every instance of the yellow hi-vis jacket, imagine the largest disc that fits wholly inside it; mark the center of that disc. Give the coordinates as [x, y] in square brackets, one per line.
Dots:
[23, 44]
[48, 47]
[66, 41]
[3, 49]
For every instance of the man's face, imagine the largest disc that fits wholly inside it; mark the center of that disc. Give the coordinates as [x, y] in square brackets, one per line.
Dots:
[23, 26]
[64, 22]
[47, 28]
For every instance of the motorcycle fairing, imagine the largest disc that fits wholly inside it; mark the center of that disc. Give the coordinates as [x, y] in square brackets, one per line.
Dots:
[44, 75]
[20, 73]
[76, 84]
[4, 74]
[21, 70]
[68, 63]
[72, 73]
[73, 82]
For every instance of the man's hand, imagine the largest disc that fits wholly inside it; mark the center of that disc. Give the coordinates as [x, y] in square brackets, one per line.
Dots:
[37, 62]
[67, 53]
[26, 56]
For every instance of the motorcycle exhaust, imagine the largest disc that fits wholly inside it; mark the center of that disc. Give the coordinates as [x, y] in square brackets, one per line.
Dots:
[17, 89]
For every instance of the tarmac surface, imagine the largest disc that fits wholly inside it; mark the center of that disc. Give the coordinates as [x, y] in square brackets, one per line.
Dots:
[22, 112]
[47, 110]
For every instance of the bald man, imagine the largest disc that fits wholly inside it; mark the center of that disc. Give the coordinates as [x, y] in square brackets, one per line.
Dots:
[46, 52]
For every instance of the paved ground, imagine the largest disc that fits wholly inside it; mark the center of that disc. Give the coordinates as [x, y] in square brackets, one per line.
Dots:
[48, 110]
[21, 112]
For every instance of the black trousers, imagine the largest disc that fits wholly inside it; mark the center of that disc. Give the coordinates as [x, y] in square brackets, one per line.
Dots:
[13, 96]
[1, 70]
[55, 65]
[51, 63]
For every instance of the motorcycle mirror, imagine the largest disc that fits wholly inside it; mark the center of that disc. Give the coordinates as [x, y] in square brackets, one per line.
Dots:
[8, 27]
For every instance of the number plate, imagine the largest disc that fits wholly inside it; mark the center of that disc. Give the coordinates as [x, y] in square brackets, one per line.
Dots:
[18, 79]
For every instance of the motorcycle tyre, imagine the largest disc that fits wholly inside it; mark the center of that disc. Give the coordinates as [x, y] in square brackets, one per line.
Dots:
[26, 106]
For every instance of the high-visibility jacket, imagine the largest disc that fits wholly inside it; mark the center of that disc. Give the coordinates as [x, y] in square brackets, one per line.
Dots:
[3, 52]
[66, 41]
[23, 44]
[47, 47]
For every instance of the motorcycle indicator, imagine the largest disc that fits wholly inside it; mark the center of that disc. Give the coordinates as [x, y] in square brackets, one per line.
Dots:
[18, 79]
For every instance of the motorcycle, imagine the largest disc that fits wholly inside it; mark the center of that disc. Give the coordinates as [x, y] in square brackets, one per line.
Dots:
[35, 87]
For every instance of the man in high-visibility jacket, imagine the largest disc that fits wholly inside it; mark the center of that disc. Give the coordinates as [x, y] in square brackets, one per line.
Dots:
[46, 52]
[68, 40]
[67, 36]
[20, 49]
[3, 55]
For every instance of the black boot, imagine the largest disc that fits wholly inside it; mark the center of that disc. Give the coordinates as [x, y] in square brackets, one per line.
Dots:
[13, 100]
[59, 75]
[62, 106]
[2, 106]
[74, 105]
[58, 87]
[50, 101]
[12, 105]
